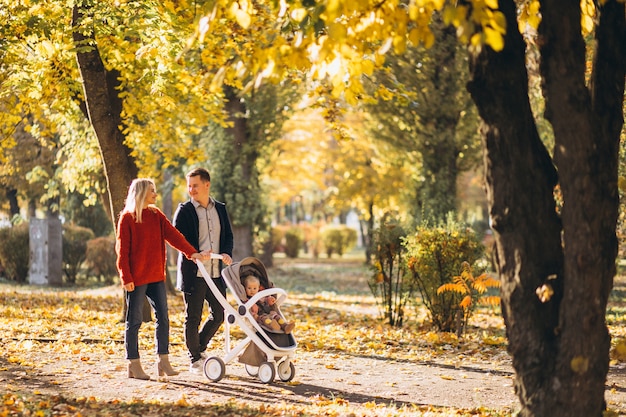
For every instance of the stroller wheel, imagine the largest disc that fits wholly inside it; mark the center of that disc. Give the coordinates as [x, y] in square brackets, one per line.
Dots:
[286, 370]
[251, 370]
[214, 368]
[266, 372]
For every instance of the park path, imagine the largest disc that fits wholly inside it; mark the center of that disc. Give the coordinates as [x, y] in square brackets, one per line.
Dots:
[319, 377]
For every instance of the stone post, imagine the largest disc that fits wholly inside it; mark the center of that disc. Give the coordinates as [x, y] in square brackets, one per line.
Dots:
[46, 252]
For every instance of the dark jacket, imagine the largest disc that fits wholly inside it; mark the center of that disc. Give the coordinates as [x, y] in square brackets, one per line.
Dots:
[186, 220]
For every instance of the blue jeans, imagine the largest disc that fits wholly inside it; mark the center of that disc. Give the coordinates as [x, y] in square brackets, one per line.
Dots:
[197, 341]
[157, 296]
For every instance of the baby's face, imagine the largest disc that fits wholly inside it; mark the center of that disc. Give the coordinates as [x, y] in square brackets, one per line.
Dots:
[252, 288]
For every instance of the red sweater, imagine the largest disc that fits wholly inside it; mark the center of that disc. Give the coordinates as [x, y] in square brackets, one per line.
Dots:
[141, 246]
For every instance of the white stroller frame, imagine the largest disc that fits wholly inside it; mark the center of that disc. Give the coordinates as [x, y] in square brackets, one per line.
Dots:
[278, 358]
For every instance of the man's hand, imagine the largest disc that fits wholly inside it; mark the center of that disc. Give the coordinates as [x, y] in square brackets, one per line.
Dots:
[226, 259]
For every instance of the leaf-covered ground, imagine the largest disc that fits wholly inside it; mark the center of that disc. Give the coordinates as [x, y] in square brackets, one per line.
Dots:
[62, 354]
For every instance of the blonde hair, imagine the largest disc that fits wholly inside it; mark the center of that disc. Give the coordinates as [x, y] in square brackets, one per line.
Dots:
[251, 277]
[136, 198]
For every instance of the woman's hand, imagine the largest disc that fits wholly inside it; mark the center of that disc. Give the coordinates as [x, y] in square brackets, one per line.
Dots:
[130, 287]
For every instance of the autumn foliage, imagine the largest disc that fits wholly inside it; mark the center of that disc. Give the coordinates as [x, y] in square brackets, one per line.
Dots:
[435, 255]
[472, 289]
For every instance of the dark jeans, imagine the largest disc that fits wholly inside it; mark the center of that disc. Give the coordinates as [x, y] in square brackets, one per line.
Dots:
[157, 297]
[194, 303]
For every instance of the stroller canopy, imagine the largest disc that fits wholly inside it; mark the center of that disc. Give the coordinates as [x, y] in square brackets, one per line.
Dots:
[235, 271]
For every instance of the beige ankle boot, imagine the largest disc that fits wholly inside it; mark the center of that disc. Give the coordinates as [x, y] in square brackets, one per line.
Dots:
[135, 370]
[164, 367]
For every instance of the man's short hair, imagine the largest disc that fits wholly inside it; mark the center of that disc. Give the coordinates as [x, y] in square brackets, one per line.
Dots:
[203, 173]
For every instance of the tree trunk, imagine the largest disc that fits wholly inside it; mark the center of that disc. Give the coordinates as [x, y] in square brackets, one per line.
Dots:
[556, 272]
[439, 149]
[14, 208]
[245, 159]
[242, 236]
[104, 108]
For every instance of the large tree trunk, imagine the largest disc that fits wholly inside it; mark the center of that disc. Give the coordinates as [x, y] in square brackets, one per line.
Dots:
[586, 128]
[556, 271]
[104, 110]
[104, 107]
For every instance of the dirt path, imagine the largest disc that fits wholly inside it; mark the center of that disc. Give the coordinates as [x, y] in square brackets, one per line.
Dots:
[319, 378]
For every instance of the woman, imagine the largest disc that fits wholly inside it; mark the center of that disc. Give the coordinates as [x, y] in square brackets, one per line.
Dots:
[141, 259]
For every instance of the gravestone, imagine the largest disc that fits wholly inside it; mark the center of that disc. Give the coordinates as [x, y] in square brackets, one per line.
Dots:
[46, 252]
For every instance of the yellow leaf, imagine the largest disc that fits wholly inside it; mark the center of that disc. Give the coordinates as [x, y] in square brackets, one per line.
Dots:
[298, 14]
[46, 48]
[243, 18]
[466, 302]
[498, 22]
[493, 341]
[586, 23]
[492, 4]
[399, 44]
[337, 32]
[367, 67]
[579, 364]
[476, 39]
[494, 39]
[545, 292]
[429, 39]
[182, 401]
[414, 36]
[620, 350]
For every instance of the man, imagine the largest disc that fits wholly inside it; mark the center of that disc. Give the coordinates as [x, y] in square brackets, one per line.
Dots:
[205, 223]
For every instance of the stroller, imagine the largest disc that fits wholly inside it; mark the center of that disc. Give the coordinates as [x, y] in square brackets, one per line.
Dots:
[264, 353]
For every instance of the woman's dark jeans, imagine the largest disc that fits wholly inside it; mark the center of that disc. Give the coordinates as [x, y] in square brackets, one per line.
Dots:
[157, 296]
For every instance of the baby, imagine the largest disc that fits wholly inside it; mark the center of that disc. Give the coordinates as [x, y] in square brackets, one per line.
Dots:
[265, 310]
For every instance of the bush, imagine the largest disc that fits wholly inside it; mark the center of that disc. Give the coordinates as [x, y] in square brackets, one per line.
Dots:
[278, 236]
[312, 243]
[15, 252]
[101, 258]
[435, 256]
[293, 241]
[391, 284]
[74, 249]
[338, 239]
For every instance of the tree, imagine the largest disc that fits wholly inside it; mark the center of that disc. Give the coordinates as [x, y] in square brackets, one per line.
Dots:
[104, 108]
[556, 267]
[424, 108]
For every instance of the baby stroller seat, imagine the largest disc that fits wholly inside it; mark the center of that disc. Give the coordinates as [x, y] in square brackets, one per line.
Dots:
[264, 353]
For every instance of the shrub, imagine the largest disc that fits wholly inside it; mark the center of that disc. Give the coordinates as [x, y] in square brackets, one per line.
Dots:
[277, 236]
[74, 249]
[293, 241]
[473, 290]
[338, 239]
[311, 243]
[435, 256]
[100, 259]
[15, 252]
[390, 283]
